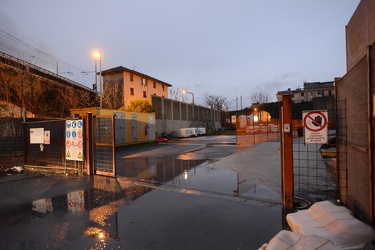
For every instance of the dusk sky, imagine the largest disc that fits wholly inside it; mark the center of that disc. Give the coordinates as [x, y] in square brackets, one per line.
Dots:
[226, 48]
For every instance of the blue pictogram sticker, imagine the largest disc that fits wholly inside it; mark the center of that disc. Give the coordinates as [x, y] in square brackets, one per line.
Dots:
[74, 134]
[68, 124]
[74, 124]
[80, 124]
[67, 134]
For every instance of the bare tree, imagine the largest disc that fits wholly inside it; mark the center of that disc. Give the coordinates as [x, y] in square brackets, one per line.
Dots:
[215, 101]
[15, 83]
[113, 97]
[260, 96]
[175, 93]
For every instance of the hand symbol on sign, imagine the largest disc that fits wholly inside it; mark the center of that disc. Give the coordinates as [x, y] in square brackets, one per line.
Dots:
[317, 121]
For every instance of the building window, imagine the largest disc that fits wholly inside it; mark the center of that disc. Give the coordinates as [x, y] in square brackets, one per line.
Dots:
[131, 77]
[329, 92]
[302, 93]
[154, 83]
[144, 94]
[144, 81]
[162, 86]
[131, 91]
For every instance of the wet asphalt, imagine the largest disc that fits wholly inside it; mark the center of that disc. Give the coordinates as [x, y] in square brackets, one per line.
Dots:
[44, 211]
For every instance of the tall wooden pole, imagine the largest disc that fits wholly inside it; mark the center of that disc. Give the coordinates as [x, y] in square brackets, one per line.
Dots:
[287, 152]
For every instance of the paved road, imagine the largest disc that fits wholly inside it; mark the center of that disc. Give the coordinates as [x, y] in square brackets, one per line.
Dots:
[68, 212]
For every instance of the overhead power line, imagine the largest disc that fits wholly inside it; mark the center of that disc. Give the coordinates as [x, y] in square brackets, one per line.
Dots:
[16, 47]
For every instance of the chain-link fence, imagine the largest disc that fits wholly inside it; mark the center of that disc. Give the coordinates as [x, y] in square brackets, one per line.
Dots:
[253, 129]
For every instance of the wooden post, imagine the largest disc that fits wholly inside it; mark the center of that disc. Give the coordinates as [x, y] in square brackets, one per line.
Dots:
[287, 152]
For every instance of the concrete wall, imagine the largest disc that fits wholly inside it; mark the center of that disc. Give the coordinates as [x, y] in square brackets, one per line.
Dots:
[360, 32]
[172, 115]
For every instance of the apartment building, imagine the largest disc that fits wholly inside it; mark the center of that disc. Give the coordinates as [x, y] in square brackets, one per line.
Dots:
[309, 91]
[122, 85]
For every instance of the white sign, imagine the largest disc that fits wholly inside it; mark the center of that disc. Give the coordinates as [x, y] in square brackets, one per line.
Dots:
[74, 140]
[234, 119]
[316, 126]
[36, 135]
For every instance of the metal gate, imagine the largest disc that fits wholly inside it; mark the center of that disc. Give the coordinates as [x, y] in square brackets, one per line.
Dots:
[47, 153]
[310, 167]
[104, 153]
[52, 154]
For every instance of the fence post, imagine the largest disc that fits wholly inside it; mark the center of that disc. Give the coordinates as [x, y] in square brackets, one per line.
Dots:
[287, 152]
[89, 140]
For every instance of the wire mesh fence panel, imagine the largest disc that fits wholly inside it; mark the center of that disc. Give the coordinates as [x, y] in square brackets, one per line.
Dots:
[314, 179]
[48, 152]
[104, 150]
[11, 142]
[314, 163]
[341, 166]
[251, 130]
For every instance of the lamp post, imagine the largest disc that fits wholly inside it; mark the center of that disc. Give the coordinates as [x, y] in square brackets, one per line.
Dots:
[98, 55]
[184, 92]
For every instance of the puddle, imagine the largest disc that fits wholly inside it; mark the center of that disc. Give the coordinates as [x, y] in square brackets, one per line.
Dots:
[92, 213]
[180, 172]
[119, 214]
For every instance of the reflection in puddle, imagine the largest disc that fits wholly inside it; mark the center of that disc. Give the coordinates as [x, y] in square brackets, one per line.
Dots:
[92, 212]
[190, 174]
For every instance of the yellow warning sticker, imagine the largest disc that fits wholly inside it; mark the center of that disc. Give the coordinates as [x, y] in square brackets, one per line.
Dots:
[79, 155]
[68, 154]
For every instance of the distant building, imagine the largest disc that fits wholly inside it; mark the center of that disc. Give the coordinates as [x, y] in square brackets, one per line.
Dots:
[124, 85]
[310, 91]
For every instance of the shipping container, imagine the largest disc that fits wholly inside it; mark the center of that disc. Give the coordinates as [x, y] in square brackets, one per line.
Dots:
[130, 127]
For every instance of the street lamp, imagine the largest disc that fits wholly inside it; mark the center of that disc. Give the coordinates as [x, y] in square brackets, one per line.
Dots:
[98, 55]
[184, 92]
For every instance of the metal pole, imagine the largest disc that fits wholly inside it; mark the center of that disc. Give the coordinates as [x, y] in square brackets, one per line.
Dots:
[96, 78]
[101, 81]
[89, 144]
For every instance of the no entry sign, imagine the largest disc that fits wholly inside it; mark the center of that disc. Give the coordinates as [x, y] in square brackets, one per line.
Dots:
[316, 126]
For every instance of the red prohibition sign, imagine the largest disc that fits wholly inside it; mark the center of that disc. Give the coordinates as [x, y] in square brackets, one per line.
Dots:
[79, 134]
[80, 144]
[319, 126]
[68, 144]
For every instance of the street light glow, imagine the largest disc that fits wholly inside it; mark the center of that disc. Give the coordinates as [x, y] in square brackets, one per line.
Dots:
[98, 55]
[187, 92]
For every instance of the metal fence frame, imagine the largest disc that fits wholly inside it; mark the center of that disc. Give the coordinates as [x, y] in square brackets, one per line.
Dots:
[315, 177]
[11, 142]
[48, 156]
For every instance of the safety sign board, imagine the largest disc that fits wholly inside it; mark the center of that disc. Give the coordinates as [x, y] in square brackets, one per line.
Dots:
[74, 140]
[36, 135]
[316, 126]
